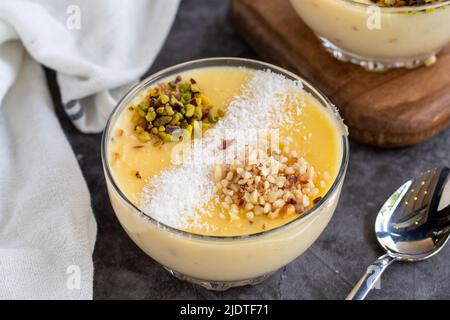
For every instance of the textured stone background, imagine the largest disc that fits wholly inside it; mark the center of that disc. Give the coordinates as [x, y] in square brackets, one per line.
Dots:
[330, 268]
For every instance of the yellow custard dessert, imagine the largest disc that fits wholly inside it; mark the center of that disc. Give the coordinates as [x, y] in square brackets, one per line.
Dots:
[135, 163]
[262, 176]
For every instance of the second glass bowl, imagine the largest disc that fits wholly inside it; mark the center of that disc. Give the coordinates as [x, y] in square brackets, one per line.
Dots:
[378, 38]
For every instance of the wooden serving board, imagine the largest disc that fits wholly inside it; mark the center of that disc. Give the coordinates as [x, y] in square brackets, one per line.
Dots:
[391, 109]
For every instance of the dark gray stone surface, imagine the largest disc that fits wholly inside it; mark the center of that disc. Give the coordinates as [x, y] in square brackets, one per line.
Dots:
[329, 269]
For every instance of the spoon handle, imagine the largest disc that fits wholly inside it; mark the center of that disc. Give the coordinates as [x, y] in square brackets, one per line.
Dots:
[368, 280]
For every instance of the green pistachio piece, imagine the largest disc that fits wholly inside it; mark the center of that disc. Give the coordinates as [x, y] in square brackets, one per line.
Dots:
[155, 130]
[166, 137]
[195, 88]
[163, 98]
[198, 113]
[186, 97]
[161, 121]
[160, 110]
[198, 101]
[190, 109]
[212, 118]
[184, 87]
[184, 124]
[144, 136]
[169, 110]
[176, 118]
[144, 105]
[141, 112]
[175, 102]
[205, 100]
[151, 114]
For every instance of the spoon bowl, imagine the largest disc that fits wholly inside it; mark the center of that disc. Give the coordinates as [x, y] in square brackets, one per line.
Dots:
[413, 225]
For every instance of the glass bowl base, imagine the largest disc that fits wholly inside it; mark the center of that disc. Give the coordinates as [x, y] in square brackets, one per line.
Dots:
[376, 65]
[219, 285]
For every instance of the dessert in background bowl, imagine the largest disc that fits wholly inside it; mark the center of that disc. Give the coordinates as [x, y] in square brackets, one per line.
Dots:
[224, 170]
[379, 34]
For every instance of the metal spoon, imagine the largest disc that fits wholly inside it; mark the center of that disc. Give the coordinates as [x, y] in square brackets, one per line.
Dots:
[413, 225]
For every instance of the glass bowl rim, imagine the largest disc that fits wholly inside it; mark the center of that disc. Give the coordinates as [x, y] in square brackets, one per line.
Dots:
[221, 61]
[402, 9]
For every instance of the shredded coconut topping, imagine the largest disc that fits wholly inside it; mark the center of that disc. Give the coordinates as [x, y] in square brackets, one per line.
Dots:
[177, 195]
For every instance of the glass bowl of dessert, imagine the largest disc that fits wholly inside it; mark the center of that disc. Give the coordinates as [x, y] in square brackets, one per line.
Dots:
[379, 34]
[224, 170]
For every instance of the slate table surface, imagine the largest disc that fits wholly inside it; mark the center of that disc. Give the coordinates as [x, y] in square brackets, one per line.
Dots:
[330, 268]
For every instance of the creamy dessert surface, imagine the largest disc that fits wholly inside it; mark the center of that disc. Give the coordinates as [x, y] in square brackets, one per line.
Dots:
[310, 151]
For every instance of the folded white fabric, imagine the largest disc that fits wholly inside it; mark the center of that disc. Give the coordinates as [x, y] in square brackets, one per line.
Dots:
[47, 230]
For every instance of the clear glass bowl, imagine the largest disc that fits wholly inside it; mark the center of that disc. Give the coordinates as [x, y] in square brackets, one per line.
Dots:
[378, 38]
[219, 263]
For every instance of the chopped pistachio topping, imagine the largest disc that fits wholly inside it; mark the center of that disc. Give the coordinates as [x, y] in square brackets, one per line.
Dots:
[170, 107]
[403, 3]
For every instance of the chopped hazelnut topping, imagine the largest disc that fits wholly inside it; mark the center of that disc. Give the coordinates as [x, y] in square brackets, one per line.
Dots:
[276, 185]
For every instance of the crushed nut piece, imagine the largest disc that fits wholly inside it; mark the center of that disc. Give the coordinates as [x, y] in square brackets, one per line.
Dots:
[226, 143]
[138, 175]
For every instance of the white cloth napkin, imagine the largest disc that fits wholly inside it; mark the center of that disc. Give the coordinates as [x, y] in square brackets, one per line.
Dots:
[47, 229]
